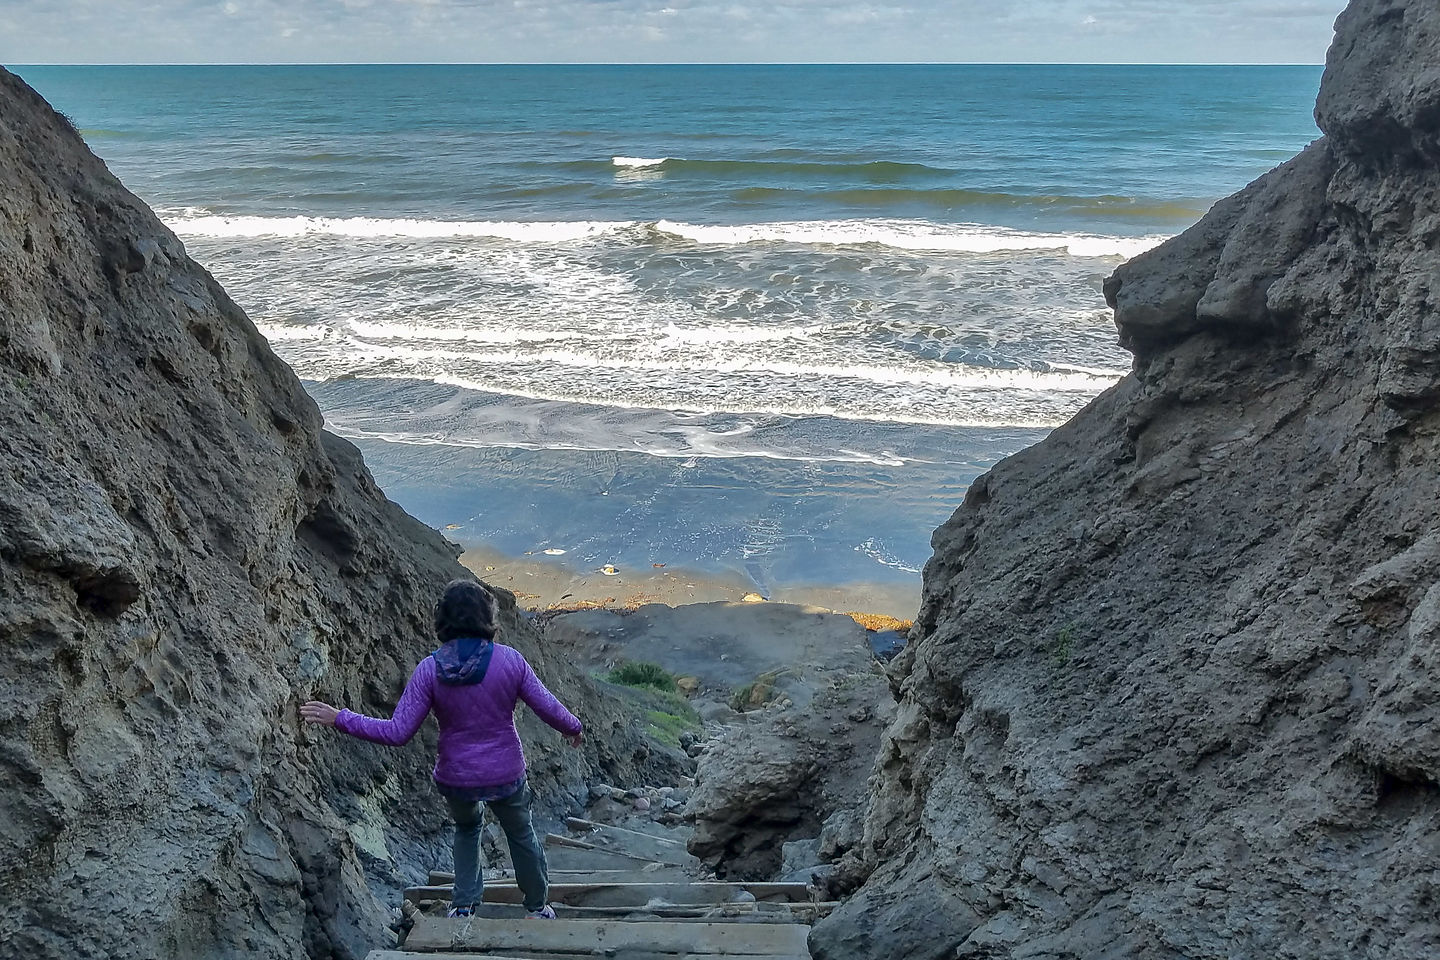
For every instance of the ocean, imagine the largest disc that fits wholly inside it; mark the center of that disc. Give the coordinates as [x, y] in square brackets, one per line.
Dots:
[767, 320]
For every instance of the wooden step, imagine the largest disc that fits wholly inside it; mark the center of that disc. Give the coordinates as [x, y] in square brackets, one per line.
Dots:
[579, 823]
[657, 872]
[571, 852]
[631, 842]
[629, 894]
[628, 955]
[680, 913]
[664, 938]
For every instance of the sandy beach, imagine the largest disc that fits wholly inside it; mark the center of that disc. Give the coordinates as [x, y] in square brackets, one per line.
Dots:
[543, 582]
[548, 524]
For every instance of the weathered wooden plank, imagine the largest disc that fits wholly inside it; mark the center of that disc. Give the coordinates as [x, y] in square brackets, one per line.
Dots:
[579, 823]
[686, 913]
[630, 894]
[577, 936]
[655, 873]
[631, 842]
[576, 860]
[587, 955]
[570, 845]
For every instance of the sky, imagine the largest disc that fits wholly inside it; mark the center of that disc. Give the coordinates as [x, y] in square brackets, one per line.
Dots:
[665, 31]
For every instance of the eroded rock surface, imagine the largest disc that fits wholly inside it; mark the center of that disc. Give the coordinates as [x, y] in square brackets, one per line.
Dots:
[184, 556]
[1173, 688]
[787, 773]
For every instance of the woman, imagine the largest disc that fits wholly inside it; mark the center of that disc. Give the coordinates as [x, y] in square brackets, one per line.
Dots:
[472, 683]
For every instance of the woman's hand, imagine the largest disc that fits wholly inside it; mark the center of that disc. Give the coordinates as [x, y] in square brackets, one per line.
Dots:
[317, 712]
[576, 740]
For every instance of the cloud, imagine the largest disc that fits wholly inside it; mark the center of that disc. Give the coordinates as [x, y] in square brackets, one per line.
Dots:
[68, 31]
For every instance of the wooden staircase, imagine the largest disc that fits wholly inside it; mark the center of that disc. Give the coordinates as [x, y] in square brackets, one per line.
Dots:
[619, 894]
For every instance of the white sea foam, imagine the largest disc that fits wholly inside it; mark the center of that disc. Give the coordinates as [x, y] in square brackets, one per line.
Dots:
[690, 448]
[911, 235]
[372, 227]
[881, 556]
[931, 375]
[415, 331]
[738, 404]
[920, 235]
[280, 332]
[729, 334]
[638, 161]
[670, 337]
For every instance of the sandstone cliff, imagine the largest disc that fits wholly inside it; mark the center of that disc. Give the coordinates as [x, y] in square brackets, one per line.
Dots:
[1174, 690]
[184, 556]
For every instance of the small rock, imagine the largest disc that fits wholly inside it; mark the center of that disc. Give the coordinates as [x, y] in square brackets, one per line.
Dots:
[752, 598]
[798, 855]
[687, 685]
[642, 803]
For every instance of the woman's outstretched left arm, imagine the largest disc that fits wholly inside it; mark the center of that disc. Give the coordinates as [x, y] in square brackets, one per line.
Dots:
[409, 714]
[548, 708]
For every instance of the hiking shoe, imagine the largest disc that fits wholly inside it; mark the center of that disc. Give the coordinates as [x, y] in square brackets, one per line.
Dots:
[546, 912]
[461, 912]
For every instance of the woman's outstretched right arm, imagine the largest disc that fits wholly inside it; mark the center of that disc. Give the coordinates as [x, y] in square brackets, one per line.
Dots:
[409, 713]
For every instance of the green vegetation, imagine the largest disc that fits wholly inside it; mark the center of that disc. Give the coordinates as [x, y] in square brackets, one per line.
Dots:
[662, 706]
[667, 727]
[1064, 644]
[651, 676]
[757, 693]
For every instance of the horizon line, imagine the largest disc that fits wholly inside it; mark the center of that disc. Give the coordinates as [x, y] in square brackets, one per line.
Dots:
[681, 63]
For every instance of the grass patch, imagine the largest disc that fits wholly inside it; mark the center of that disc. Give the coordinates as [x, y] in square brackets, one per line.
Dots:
[667, 726]
[657, 703]
[650, 676]
[756, 693]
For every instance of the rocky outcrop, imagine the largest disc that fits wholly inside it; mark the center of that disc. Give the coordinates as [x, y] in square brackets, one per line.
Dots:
[185, 555]
[1172, 691]
[779, 779]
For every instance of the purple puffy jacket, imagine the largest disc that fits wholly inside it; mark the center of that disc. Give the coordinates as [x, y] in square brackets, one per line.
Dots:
[479, 746]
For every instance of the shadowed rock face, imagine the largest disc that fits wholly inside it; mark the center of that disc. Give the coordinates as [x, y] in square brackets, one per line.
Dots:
[184, 556]
[1173, 688]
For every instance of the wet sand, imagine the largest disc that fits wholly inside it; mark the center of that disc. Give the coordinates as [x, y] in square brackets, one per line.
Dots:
[842, 536]
[542, 582]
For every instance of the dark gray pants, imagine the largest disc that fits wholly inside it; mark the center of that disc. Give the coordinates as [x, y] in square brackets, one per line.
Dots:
[526, 853]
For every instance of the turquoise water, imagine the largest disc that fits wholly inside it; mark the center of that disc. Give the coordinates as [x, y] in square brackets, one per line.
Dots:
[823, 279]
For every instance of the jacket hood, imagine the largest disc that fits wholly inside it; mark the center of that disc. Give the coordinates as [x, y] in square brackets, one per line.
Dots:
[463, 661]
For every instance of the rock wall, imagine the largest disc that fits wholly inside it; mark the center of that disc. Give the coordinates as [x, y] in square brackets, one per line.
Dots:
[184, 556]
[1174, 690]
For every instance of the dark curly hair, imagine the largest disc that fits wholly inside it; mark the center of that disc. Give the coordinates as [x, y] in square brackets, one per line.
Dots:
[466, 609]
